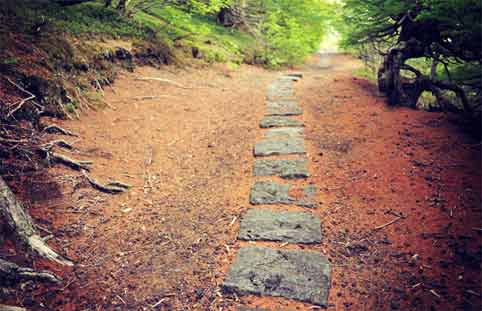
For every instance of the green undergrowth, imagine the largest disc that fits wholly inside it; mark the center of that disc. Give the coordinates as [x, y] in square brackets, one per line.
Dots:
[88, 18]
[214, 42]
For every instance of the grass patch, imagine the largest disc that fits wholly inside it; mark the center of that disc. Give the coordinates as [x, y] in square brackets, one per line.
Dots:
[365, 73]
[86, 18]
[215, 42]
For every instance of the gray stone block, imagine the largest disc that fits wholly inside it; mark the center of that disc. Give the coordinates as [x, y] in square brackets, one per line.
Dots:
[299, 275]
[283, 108]
[279, 147]
[291, 227]
[269, 193]
[284, 133]
[288, 169]
[270, 122]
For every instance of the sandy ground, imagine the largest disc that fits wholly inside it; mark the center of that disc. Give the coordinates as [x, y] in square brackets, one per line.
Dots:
[167, 243]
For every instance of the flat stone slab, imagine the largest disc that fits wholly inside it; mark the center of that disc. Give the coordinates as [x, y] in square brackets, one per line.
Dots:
[281, 90]
[270, 122]
[269, 193]
[291, 227]
[283, 108]
[290, 78]
[269, 147]
[287, 169]
[299, 275]
[285, 133]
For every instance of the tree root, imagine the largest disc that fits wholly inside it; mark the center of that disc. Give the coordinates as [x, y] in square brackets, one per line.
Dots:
[12, 273]
[59, 143]
[65, 160]
[21, 225]
[55, 129]
[11, 308]
[111, 188]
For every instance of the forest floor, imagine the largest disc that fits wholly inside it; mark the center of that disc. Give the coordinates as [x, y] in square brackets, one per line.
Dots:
[167, 243]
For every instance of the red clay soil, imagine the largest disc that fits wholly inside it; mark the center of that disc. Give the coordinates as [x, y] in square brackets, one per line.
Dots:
[399, 196]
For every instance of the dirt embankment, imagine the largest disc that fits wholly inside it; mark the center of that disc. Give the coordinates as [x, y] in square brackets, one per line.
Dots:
[187, 152]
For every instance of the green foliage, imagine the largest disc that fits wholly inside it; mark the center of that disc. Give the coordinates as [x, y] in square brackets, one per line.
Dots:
[193, 30]
[291, 30]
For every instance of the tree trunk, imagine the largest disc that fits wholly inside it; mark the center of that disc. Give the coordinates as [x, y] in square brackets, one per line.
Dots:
[20, 224]
[390, 81]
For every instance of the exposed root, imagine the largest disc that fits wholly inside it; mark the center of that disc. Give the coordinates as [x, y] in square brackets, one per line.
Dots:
[112, 188]
[55, 129]
[11, 308]
[19, 223]
[12, 273]
[65, 160]
[59, 143]
[119, 184]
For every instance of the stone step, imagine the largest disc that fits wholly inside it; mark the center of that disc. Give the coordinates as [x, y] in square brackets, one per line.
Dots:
[270, 122]
[287, 169]
[269, 193]
[284, 133]
[290, 227]
[283, 108]
[269, 147]
[299, 275]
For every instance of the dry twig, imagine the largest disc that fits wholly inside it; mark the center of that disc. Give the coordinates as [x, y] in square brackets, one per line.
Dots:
[388, 223]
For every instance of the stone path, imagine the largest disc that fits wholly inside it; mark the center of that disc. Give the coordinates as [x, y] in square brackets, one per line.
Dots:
[300, 275]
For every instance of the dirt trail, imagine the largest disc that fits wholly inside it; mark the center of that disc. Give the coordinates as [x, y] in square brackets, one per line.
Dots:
[167, 243]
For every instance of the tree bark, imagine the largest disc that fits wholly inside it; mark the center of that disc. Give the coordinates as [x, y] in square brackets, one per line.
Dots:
[20, 224]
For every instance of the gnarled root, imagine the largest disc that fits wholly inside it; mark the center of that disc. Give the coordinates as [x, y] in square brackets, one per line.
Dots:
[11, 308]
[55, 129]
[65, 160]
[112, 188]
[11, 273]
[21, 226]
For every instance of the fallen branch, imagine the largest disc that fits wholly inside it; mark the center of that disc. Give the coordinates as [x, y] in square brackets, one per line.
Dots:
[55, 129]
[109, 188]
[164, 81]
[21, 225]
[388, 223]
[12, 273]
